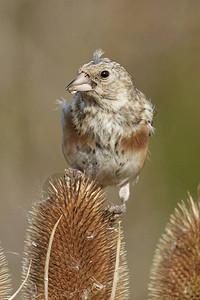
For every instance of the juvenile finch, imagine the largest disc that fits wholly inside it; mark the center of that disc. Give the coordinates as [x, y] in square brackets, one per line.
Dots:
[106, 127]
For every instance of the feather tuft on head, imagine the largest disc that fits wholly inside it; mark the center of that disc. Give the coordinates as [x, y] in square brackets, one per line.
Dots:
[97, 54]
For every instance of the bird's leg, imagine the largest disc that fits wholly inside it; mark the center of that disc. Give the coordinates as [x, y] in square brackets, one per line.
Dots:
[119, 210]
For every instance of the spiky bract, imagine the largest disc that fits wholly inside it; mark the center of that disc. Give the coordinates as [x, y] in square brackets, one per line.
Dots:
[175, 274]
[83, 253]
[5, 280]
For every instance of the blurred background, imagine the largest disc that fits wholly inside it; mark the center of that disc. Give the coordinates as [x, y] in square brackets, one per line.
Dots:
[42, 45]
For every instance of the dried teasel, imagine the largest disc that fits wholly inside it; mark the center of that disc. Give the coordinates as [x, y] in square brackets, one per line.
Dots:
[175, 273]
[5, 280]
[76, 252]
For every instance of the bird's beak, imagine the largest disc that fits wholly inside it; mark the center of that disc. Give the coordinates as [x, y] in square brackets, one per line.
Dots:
[82, 83]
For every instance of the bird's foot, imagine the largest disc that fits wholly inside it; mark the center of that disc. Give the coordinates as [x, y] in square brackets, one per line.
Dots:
[116, 211]
[73, 174]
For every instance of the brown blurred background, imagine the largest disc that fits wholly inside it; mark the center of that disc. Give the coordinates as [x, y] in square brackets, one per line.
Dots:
[42, 43]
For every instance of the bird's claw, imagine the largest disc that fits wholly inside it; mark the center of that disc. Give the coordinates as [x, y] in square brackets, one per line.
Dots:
[117, 211]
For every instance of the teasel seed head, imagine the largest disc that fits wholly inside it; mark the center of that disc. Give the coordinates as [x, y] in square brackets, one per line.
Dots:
[73, 245]
[176, 268]
[5, 279]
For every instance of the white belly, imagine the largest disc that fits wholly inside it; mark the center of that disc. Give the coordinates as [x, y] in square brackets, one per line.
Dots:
[107, 167]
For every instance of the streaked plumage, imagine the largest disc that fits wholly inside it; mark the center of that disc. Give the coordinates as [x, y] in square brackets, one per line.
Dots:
[107, 126]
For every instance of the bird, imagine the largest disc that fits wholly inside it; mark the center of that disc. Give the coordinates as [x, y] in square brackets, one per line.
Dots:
[107, 126]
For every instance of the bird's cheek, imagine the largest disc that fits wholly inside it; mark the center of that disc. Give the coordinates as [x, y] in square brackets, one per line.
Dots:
[102, 90]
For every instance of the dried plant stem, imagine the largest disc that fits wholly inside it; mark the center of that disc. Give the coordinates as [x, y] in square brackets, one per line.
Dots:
[23, 283]
[116, 272]
[46, 280]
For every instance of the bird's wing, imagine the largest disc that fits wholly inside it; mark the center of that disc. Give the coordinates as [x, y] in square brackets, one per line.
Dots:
[66, 113]
[73, 140]
[135, 146]
[68, 131]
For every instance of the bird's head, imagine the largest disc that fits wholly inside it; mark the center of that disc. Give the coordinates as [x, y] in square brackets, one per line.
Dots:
[103, 79]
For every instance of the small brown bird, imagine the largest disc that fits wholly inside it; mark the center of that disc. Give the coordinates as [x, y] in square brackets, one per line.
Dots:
[107, 126]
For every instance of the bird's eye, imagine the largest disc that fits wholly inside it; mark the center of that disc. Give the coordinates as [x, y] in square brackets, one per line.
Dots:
[105, 74]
